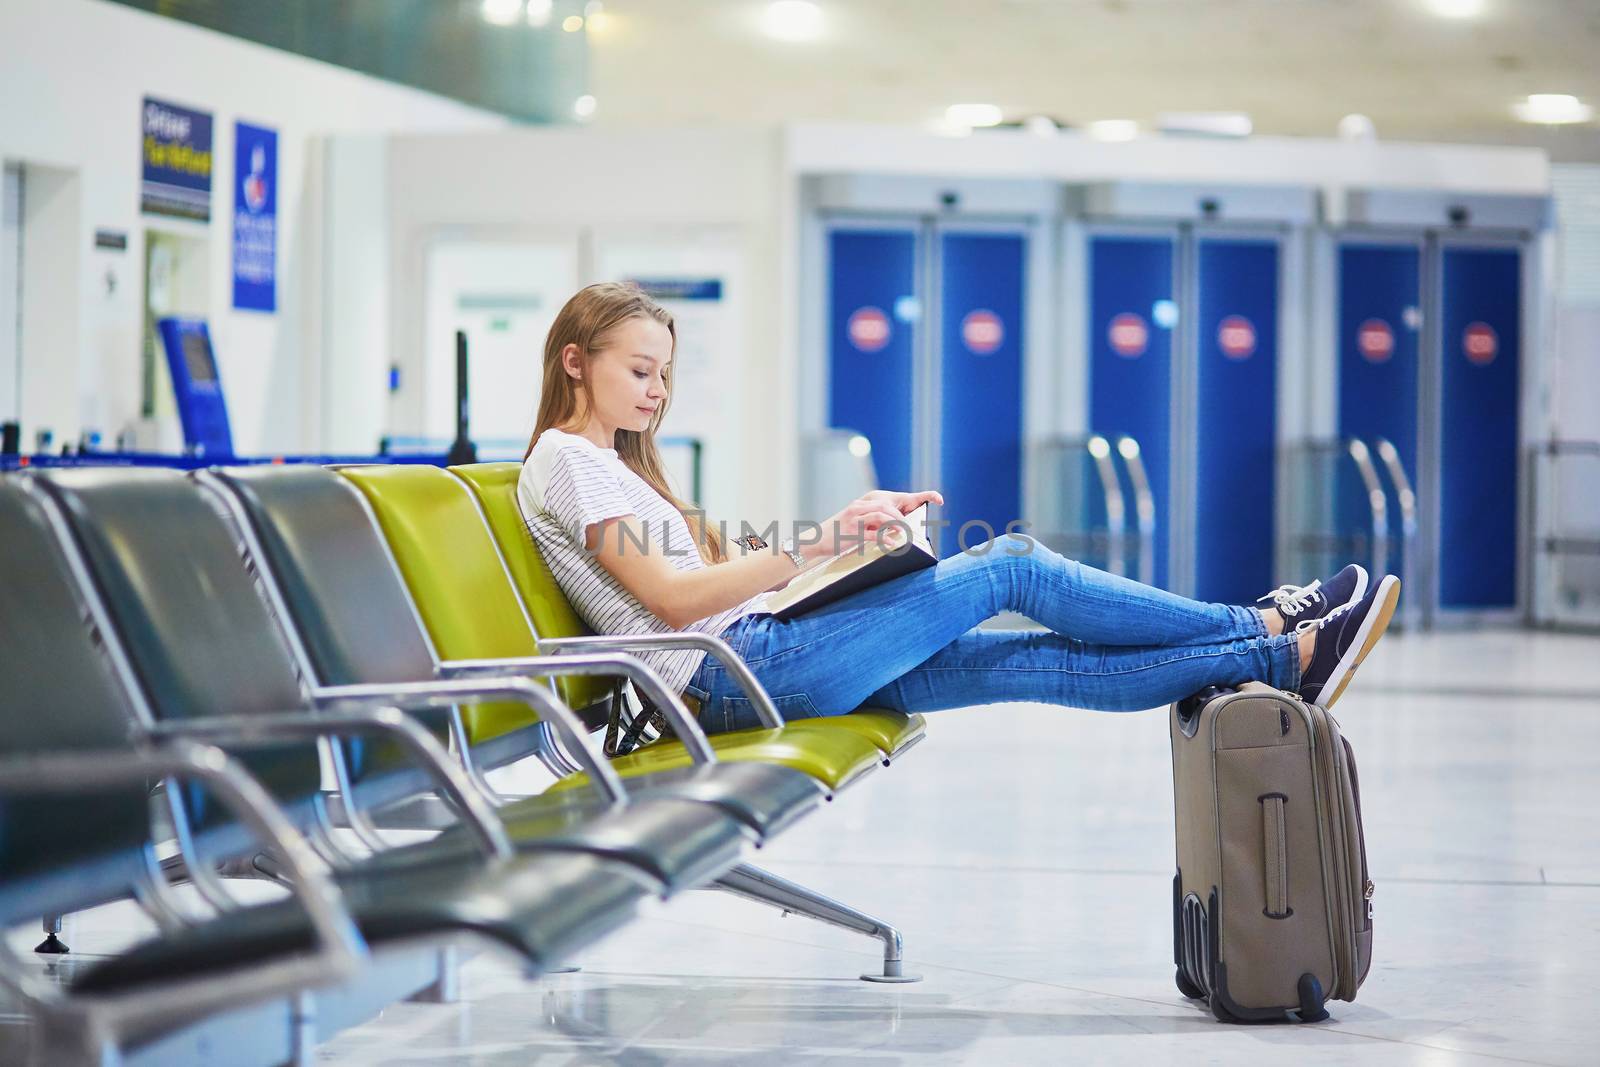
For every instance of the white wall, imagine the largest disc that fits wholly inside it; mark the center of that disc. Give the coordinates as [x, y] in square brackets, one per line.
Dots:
[73, 74]
[10, 231]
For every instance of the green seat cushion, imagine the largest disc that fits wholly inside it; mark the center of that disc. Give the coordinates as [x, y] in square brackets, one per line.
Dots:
[891, 731]
[833, 757]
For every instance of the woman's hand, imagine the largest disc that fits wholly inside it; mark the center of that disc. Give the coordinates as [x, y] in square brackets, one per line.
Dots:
[858, 522]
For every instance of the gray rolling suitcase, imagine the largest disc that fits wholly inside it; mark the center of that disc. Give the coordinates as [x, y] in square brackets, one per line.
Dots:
[1271, 905]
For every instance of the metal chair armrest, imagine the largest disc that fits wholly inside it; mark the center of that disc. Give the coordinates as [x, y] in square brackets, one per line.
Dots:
[388, 721]
[731, 661]
[649, 682]
[447, 693]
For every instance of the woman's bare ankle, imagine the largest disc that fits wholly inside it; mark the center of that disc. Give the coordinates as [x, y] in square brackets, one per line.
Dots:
[1308, 645]
[1272, 619]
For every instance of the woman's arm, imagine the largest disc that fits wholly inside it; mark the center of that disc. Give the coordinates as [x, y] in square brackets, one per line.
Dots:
[680, 597]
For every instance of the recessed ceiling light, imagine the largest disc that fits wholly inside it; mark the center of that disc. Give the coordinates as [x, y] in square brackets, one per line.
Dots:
[1456, 9]
[1552, 109]
[584, 106]
[972, 116]
[1207, 123]
[539, 12]
[792, 20]
[1114, 130]
[572, 23]
[501, 12]
[1357, 127]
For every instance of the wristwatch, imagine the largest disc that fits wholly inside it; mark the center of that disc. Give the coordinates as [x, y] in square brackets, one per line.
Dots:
[786, 546]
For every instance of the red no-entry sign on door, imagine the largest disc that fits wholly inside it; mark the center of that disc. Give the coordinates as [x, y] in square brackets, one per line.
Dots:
[1129, 336]
[1236, 336]
[982, 332]
[869, 329]
[1480, 343]
[1375, 339]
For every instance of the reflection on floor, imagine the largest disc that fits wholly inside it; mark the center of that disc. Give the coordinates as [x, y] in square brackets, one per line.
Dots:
[1026, 853]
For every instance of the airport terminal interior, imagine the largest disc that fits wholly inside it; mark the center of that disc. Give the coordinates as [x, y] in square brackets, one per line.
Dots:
[319, 744]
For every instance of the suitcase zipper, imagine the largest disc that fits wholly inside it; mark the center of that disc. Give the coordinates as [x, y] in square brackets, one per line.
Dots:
[1324, 737]
[1367, 886]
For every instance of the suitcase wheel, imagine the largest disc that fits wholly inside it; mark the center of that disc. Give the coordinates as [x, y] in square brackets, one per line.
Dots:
[1188, 988]
[1311, 1000]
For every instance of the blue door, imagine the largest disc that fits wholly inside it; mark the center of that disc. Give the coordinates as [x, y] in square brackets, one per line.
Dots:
[1131, 314]
[981, 345]
[1380, 290]
[1235, 418]
[872, 277]
[1480, 331]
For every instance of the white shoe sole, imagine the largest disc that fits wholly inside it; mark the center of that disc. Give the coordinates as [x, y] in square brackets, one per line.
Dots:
[1372, 628]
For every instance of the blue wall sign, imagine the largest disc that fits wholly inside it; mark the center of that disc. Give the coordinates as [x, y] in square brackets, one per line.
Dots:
[176, 159]
[255, 218]
[680, 288]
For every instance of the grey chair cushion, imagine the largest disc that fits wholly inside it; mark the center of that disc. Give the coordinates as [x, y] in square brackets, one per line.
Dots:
[543, 907]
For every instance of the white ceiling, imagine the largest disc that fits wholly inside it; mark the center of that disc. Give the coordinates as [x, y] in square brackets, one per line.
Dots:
[1296, 66]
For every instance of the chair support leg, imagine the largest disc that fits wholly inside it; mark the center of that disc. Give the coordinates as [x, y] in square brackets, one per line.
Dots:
[52, 945]
[753, 883]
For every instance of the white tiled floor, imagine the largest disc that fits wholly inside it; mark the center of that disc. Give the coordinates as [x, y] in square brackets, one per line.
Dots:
[1026, 854]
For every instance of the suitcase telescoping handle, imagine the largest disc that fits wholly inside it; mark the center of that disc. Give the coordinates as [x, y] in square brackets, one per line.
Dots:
[1275, 854]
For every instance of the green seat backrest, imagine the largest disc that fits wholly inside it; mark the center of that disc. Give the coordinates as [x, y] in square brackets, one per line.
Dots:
[57, 695]
[495, 487]
[455, 575]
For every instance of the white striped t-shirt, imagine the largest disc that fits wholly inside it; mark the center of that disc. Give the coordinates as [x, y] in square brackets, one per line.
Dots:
[567, 485]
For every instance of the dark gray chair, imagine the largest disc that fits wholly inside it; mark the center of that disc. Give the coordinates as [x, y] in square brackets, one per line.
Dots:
[205, 656]
[75, 826]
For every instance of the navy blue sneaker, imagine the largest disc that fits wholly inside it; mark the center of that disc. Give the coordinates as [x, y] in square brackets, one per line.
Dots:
[1303, 605]
[1343, 640]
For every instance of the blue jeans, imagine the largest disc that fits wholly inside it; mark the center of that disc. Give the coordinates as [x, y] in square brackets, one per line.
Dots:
[910, 644]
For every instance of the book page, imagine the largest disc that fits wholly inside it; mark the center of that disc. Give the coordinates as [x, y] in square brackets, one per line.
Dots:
[832, 568]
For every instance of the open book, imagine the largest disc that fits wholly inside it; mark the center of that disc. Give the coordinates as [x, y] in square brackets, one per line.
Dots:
[859, 568]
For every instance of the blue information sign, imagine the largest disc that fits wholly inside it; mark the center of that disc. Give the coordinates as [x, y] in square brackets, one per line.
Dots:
[255, 218]
[176, 159]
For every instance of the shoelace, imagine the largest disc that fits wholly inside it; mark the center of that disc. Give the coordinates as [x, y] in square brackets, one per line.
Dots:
[1316, 624]
[1291, 600]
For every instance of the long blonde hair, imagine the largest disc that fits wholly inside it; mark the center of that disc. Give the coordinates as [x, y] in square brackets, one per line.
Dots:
[587, 321]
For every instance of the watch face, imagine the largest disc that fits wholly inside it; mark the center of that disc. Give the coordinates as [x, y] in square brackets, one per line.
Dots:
[752, 542]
